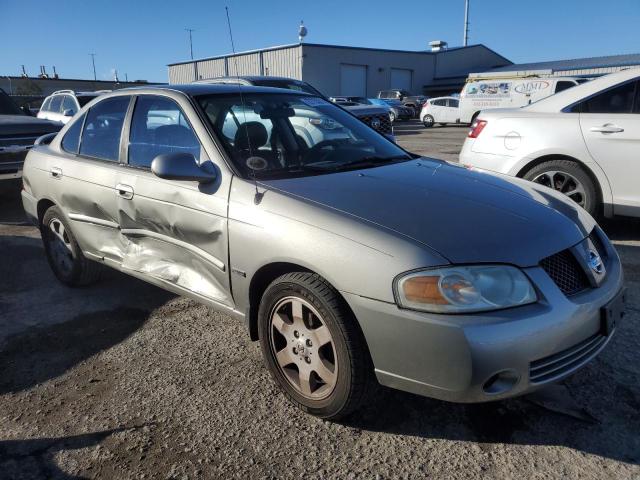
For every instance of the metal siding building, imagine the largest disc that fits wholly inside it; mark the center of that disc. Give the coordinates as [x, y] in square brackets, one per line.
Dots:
[339, 70]
[576, 67]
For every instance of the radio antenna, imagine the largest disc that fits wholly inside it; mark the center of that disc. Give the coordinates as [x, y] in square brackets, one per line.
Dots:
[258, 197]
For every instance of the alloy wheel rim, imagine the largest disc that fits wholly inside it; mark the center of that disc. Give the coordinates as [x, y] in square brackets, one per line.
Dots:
[303, 348]
[60, 246]
[564, 183]
[427, 120]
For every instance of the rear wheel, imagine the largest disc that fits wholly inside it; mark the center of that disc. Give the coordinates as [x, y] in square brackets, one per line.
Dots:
[428, 121]
[569, 178]
[312, 346]
[65, 257]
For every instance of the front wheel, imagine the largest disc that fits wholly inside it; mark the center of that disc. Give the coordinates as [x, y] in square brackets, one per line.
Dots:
[392, 117]
[569, 178]
[312, 346]
[65, 257]
[428, 121]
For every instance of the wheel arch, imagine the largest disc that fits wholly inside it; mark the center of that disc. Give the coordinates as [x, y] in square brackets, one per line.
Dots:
[43, 205]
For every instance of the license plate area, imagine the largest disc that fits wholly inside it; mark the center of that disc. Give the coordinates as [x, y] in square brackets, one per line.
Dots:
[612, 313]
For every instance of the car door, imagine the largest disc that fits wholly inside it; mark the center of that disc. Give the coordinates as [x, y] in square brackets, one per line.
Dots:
[85, 175]
[174, 232]
[452, 110]
[610, 124]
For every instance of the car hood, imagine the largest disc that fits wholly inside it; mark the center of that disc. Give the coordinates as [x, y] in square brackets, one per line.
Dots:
[365, 110]
[466, 216]
[24, 124]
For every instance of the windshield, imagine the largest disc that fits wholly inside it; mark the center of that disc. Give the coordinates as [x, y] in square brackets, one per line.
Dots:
[7, 107]
[289, 85]
[283, 135]
[393, 103]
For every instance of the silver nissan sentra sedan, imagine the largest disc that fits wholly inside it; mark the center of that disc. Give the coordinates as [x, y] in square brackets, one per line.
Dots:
[351, 260]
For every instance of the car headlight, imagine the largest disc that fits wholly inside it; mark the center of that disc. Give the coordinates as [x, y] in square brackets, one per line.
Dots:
[464, 289]
[325, 123]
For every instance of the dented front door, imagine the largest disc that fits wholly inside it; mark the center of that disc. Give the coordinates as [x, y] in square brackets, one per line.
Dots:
[172, 231]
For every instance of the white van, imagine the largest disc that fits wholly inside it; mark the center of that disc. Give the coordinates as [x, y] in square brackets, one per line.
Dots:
[486, 91]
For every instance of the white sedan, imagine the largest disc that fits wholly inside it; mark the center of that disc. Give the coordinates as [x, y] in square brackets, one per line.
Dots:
[440, 110]
[583, 142]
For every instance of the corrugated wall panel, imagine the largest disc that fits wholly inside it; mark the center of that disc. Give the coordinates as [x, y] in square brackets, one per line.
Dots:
[211, 68]
[182, 73]
[244, 64]
[286, 62]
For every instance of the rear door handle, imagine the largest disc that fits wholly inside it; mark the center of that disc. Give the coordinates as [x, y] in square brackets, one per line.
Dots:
[125, 191]
[56, 172]
[608, 128]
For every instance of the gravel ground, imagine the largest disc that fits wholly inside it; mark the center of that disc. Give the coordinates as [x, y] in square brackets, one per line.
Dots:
[123, 380]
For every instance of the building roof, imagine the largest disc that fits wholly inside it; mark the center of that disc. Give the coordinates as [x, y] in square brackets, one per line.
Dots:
[322, 45]
[575, 63]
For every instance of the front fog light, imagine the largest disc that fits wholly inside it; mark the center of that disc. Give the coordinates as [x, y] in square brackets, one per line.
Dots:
[464, 289]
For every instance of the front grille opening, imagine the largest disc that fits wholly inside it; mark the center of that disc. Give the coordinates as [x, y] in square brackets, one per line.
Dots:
[597, 242]
[559, 364]
[564, 270]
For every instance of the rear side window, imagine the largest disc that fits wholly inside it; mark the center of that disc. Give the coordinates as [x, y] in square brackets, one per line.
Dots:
[159, 126]
[103, 127]
[453, 103]
[56, 103]
[616, 100]
[563, 85]
[71, 140]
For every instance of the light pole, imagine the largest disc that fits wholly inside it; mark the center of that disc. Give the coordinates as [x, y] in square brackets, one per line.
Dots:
[466, 23]
[10, 88]
[190, 30]
[93, 61]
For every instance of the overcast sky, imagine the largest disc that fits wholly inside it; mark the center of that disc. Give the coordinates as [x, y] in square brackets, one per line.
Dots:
[139, 37]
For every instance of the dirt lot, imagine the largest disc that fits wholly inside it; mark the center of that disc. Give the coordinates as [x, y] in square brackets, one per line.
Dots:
[123, 380]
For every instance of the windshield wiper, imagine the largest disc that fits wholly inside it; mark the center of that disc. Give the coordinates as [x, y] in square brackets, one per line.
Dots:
[370, 161]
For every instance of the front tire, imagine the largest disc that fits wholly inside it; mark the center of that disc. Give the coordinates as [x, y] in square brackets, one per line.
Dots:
[64, 255]
[428, 121]
[313, 347]
[392, 117]
[569, 178]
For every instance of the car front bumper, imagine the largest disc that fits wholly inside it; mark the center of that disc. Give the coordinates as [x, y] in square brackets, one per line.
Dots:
[491, 355]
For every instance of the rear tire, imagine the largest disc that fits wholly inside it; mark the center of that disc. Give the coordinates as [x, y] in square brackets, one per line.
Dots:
[428, 121]
[569, 178]
[313, 347]
[64, 255]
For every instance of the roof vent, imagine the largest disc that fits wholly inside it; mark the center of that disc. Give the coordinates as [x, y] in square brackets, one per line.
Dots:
[438, 45]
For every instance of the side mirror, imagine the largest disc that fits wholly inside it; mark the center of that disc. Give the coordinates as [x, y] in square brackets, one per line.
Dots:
[68, 113]
[181, 166]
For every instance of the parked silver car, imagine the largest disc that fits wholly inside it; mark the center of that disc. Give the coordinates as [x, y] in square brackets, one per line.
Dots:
[350, 260]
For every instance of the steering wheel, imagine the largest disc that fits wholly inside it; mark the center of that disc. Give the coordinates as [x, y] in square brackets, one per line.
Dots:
[319, 152]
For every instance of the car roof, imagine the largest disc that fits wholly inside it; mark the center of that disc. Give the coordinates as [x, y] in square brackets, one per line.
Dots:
[193, 89]
[575, 94]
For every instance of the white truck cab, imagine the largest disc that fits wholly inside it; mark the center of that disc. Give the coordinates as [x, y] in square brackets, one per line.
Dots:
[484, 91]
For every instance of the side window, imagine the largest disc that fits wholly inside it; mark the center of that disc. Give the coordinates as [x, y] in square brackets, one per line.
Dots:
[45, 104]
[616, 100]
[159, 126]
[453, 103]
[68, 103]
[103, 127]
[56, 103]
[71, 140]
[563, 85]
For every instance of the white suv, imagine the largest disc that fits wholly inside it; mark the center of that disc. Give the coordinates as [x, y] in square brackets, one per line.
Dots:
[62, 105]
[583, 142]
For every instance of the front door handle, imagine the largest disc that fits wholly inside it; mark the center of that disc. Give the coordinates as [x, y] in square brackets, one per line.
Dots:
[125, 191]
[56, 172]
[608, 128]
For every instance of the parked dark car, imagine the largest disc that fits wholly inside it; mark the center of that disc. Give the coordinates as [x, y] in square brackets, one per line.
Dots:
[407, 98]
[18, 132]
[374, 116]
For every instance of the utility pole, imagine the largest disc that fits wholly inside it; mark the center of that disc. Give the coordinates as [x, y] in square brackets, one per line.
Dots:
[466, 23]
[190, 30]
[93, 61]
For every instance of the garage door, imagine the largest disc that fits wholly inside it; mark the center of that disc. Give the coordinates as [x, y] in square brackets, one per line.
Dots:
[401, 79]
[353, 80]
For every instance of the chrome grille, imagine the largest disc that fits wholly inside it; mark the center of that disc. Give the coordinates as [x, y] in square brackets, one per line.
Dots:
[385, 122]
[557, 365]
[564, 270]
